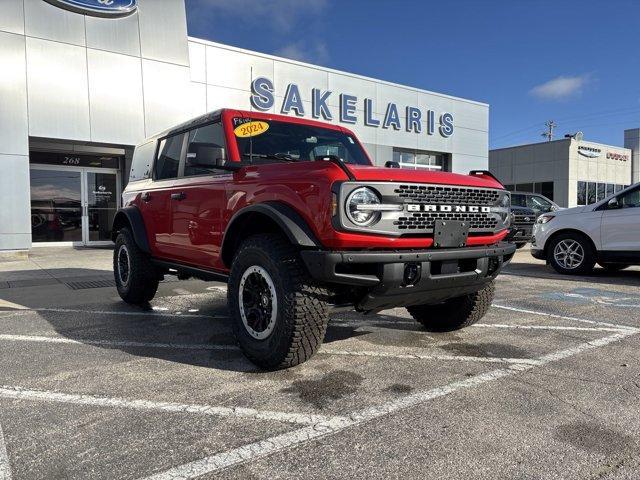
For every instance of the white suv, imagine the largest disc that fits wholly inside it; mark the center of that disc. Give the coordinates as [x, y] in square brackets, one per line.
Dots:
[606, 232]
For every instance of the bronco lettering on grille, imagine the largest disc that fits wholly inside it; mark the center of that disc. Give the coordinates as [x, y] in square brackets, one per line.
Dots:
[418, 207]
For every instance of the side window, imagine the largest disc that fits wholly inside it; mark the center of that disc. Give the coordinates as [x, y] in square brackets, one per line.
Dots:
[205, 151]
[539, 204]
[168, 161]
[630, 199]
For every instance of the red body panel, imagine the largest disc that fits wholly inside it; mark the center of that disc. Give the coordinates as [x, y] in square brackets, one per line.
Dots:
[192, 230]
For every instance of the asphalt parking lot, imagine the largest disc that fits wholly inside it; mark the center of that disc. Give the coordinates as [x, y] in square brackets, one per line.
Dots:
[547, 386]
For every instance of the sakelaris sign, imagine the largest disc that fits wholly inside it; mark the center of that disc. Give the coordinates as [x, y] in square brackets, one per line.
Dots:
[98, 8]
[263, 99]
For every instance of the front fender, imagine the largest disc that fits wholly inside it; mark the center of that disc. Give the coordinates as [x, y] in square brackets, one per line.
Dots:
[132, 218]
[290, 221]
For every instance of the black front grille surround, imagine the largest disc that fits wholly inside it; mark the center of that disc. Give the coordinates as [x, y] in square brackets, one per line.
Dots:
[409, 221]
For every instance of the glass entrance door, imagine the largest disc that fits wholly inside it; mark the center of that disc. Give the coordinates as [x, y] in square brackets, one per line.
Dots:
[101, 205]
[56, 205]
[73, 206]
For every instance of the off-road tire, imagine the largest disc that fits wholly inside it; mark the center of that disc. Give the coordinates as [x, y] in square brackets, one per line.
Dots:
[143, 279]
[302, 309]
[588, 262]
[456, 313]
[613, 267]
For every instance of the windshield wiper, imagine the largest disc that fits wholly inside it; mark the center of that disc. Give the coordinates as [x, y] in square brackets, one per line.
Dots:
[273, 156]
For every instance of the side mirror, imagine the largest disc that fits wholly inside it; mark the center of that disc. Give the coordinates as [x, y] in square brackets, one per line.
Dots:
[392, 164]
[613, 204]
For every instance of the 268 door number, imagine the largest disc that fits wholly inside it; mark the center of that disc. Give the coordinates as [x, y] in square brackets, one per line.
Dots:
[71, 161]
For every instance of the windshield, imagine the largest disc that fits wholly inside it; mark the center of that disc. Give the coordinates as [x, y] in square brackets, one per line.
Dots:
[267, 141]
[518, 200]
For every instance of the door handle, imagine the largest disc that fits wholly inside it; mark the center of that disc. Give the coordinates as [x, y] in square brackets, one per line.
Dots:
[178, 196]
[146, 196]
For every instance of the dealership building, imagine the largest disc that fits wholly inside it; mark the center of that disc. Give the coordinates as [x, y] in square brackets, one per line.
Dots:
[83, 81]
[569, 171]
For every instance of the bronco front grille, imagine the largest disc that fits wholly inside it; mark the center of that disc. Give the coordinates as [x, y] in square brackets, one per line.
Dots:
[423, 204]
[441, 194]
[426, 221]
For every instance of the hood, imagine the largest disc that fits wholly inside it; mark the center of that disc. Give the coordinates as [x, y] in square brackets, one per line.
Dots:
[571, 211]
[368, 173]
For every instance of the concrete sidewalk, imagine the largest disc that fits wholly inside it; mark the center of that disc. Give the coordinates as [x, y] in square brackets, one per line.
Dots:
[57, 265]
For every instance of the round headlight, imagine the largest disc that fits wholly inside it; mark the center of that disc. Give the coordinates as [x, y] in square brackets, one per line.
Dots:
[503, 208]
[505, 200]
[359, 204]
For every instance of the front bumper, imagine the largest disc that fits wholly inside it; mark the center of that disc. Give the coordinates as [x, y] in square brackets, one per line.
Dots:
[520, 234]
[443, 273]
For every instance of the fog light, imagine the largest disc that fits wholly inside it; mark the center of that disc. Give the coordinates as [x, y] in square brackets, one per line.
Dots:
[411, 273]
[494, 265]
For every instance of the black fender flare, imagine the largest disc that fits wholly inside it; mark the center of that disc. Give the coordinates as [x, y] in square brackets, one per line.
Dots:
[132, 217]
[285, 217]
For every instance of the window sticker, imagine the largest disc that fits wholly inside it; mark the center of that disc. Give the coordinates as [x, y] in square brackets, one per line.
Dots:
[245, 127]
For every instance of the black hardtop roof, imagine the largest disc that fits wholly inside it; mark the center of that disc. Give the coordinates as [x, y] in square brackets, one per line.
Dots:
[205, 118]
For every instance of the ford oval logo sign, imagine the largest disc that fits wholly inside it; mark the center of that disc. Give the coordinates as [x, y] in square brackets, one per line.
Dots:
[98, 8]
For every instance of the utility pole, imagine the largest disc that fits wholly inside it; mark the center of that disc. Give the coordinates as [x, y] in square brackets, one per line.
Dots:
[550, 124]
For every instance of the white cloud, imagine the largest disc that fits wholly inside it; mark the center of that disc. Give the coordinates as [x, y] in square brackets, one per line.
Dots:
[304, 52]
[280, 15]
[561, 88]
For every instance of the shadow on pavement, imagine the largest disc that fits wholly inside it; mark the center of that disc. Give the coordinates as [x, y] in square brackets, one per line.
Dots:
[36, 277]
[203, 320]
[210, 327]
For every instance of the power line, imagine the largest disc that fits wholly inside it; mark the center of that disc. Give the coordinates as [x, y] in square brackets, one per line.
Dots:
[574, 118]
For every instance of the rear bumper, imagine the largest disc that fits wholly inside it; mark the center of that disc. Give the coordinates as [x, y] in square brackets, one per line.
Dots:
[443, 273]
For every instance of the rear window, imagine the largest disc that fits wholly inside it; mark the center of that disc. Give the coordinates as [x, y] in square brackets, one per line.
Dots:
[141, 162]
[268, 141]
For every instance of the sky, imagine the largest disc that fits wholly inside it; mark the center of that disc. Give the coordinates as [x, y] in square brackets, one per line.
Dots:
[576, 62]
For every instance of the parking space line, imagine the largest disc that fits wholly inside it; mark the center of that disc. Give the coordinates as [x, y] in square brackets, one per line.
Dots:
[18, 393]
[419, 356]
[5, 466]
[117, 343]
[5, 304]
[200, 346]
[563, 317]
[550, 327]
[375, 324]
[285, 441]
[152, 313]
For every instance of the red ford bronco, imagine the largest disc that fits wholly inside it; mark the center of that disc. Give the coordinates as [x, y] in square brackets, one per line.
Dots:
[294, 216]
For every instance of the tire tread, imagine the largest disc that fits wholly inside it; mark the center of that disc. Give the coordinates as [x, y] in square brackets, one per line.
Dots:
[306, 309]
[144, 280]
